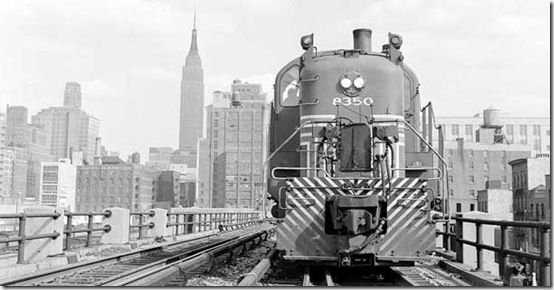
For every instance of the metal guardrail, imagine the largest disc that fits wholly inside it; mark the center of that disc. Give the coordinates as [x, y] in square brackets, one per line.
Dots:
[140, 223]
[90, 229]
[184, 222]
[21, 237]
[453, 240]
[194, 222]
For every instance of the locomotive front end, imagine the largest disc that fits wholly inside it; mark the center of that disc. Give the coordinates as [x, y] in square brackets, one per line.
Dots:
[338, 154]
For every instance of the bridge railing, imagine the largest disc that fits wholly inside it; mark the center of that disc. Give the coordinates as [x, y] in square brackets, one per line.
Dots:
[199, 220]
[138, 224]
[453, 239]
[46, 231]
[89, 229]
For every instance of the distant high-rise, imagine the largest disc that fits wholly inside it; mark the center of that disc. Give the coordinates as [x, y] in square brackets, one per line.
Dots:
[232, 154]
[192, 97]
[69, 127]
[72, 95]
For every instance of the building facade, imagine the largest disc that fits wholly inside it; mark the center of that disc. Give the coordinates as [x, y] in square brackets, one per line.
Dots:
[192, 97]
[6, 164]
[115, 183]
[234, 150]
[529, 198]
[57, 184]
[532, 131]
[485, 157]
[68, 128]
[28, 144]
[159, 157]
[72, 95]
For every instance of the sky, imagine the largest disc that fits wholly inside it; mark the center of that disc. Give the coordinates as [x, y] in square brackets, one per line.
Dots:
[128, 54]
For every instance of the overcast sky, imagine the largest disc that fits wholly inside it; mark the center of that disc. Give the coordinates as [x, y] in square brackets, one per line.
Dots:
[128, 55]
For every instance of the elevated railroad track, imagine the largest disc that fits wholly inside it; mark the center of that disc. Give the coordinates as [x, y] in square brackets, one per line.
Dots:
[146, 267]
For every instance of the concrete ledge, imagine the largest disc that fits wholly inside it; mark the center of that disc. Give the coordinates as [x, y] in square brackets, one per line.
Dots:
[448, 255]
[476, 278]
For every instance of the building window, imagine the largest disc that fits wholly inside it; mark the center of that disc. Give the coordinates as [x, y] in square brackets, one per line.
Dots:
[471, 179]
[451, 179]
[470, 152]
[471, 207]
[471, 165]
[469, 132]
[509, 129]
[486, 166]
[523, 130]
[536, 130]
[455, 130]
[536, 145]
[485, 153]
[458, 207]
[451, 191]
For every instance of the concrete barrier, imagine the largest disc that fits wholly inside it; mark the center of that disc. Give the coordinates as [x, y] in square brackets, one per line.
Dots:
[119, 223]
[470, 253]
[39, 249]
[160, 223]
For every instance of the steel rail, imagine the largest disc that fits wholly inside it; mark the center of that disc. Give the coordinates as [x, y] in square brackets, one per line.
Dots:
[155, 277]
[36, 277]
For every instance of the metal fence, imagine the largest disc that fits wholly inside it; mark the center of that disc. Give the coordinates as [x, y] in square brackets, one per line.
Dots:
[187, 222]
[453, 240]
[88, 233]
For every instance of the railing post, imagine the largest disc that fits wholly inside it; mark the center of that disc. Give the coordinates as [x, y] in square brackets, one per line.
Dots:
[459, 244]
[445, 237]
[140, 216]
[479, 241]
[504, 238]
[544, 236]
[89, 229]
[21, 247]
[68, 235]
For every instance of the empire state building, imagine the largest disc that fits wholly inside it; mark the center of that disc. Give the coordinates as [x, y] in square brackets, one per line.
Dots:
[192, 97]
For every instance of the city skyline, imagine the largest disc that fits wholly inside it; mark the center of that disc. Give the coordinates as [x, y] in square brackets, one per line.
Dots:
[139, 93]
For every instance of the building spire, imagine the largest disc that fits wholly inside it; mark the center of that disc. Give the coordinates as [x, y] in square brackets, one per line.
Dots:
[193, 43]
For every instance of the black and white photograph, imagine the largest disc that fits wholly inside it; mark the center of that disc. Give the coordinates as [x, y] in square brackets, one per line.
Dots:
[275, 143]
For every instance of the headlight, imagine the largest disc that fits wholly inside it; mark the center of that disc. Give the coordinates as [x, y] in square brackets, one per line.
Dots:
[345, 83]
[359, 83]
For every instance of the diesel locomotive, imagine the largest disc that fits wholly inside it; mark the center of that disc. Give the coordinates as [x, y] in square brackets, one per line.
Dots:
[351, 169]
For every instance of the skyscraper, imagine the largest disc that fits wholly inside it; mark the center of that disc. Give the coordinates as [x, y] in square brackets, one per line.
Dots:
[232, 154]
[72, 95]
[192, 97]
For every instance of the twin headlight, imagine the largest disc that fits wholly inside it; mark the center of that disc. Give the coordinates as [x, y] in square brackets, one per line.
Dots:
[346, 83]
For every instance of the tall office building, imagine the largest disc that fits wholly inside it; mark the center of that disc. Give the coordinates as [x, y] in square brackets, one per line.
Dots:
[69, 128]
[29, 147]
[6, 164]
[232, 154]
[72, 95]
[192, 97]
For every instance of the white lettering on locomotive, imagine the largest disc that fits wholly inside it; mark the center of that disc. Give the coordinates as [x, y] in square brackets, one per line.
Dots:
[356, 101]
